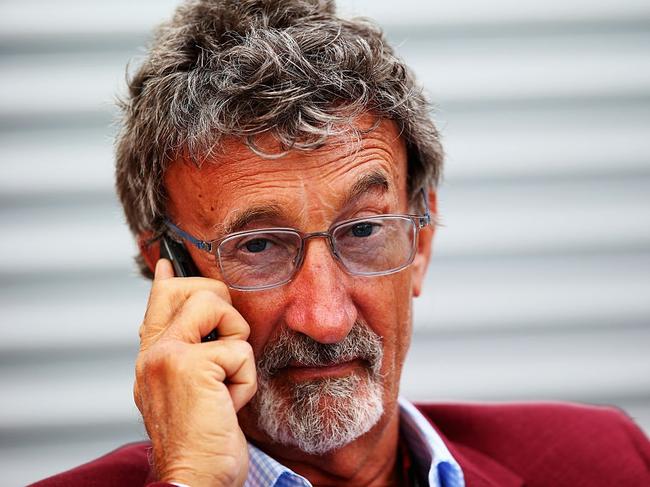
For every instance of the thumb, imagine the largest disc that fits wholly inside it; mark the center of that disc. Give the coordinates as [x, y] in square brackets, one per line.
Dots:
[164, 270]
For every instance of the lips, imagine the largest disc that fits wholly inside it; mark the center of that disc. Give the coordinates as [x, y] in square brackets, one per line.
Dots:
[293, 353]
[299, 371]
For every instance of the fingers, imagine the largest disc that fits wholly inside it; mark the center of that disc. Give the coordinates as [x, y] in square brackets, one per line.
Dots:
[183, 287]
[235, 358]
[207, 365]
[168, 297]
[204, 311]
[189, 392]
[164, 270]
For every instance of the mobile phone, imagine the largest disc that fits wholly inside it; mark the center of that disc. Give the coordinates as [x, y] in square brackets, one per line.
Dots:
[183, 267]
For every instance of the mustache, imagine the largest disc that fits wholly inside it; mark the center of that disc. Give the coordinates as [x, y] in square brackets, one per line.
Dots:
[290, 347]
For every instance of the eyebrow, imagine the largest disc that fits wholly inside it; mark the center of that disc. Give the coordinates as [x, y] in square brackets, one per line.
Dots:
[244, 218]
[372, 181]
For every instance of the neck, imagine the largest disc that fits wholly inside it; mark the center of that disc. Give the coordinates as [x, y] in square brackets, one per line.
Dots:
[371, 460]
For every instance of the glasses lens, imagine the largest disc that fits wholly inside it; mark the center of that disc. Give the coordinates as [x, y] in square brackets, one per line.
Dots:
[256, 260]
[375, 245]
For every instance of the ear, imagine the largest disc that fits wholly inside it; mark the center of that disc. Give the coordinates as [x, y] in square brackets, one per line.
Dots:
[423, 249]
[149, 249]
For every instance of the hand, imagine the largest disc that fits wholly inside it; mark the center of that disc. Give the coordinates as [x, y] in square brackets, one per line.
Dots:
[189, 392]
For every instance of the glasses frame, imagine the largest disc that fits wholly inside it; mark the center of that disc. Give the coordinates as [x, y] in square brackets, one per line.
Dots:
[213, 246]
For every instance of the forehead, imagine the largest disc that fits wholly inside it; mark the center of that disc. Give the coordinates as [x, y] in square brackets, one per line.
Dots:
[298, 181]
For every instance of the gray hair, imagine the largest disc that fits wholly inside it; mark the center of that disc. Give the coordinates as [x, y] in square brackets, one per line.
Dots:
[324, 414]
[229, 68]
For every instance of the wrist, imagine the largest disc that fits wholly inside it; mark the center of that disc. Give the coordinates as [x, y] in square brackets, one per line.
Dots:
[194, 479]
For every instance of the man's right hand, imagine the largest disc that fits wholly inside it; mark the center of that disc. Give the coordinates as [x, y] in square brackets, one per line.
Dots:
[189, 392]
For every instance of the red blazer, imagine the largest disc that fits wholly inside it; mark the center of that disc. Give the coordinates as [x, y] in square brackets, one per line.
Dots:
[512, 445]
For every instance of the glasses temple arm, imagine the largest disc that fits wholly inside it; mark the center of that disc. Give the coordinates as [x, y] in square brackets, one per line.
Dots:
[427, 212]
[200, 244]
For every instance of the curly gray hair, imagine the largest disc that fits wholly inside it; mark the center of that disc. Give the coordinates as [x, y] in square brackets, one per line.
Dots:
[229, 68]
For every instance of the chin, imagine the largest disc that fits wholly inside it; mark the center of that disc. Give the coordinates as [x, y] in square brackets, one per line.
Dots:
[319, 415]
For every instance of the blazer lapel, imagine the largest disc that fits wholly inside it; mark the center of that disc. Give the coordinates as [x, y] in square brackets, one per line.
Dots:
[478, 469]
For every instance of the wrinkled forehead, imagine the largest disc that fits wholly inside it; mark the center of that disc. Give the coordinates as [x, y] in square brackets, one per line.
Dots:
[321, 177]
[371, 139]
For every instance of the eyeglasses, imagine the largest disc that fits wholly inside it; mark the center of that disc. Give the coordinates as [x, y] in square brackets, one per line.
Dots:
[270, 257]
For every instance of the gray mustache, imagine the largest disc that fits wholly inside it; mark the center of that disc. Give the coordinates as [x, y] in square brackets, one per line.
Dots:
[290, 347]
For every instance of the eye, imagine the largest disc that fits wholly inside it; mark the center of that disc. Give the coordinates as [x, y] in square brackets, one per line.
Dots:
[257, 245]
[363, 229]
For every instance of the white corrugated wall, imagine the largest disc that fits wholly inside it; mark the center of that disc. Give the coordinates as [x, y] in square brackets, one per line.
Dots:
[540, 284]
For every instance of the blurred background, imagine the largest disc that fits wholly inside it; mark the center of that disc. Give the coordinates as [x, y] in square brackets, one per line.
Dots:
[540, 284]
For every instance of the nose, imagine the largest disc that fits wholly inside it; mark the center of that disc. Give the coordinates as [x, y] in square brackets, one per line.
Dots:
[321, 305]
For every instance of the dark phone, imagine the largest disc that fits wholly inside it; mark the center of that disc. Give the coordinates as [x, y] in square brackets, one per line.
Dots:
[183, 267]
[179, 257]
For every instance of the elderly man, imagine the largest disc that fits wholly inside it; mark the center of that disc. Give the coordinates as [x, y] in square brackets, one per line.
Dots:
[283, 162]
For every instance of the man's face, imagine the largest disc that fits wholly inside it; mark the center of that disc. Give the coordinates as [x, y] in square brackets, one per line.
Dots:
[310, 191]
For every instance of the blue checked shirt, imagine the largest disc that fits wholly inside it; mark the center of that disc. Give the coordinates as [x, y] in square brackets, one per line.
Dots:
[424, 443]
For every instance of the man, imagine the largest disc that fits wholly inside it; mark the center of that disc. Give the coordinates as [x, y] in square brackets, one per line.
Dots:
[291, 154]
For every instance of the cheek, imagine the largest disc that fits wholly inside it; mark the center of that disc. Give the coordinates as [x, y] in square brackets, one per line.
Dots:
[262, 311]
[385, 305]
[257, 312]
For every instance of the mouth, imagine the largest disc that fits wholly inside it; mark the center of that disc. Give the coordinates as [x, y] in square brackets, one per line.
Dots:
[299, 372]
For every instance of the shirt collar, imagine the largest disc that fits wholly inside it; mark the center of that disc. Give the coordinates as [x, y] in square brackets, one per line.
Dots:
[423, 442]
[428, 449]
[265, 471]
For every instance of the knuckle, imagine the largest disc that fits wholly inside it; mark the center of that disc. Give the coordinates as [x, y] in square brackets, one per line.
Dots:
[139, 372]
[174, 360]
[252, 384]
[252, 390]
[136, 396]
[243, 348]
[221, 290]
[163, 287]
[246, 329]
[140, 366]
[245, 351]
[205, 295]
[248, 349]
[161, 360]
[141, 330]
